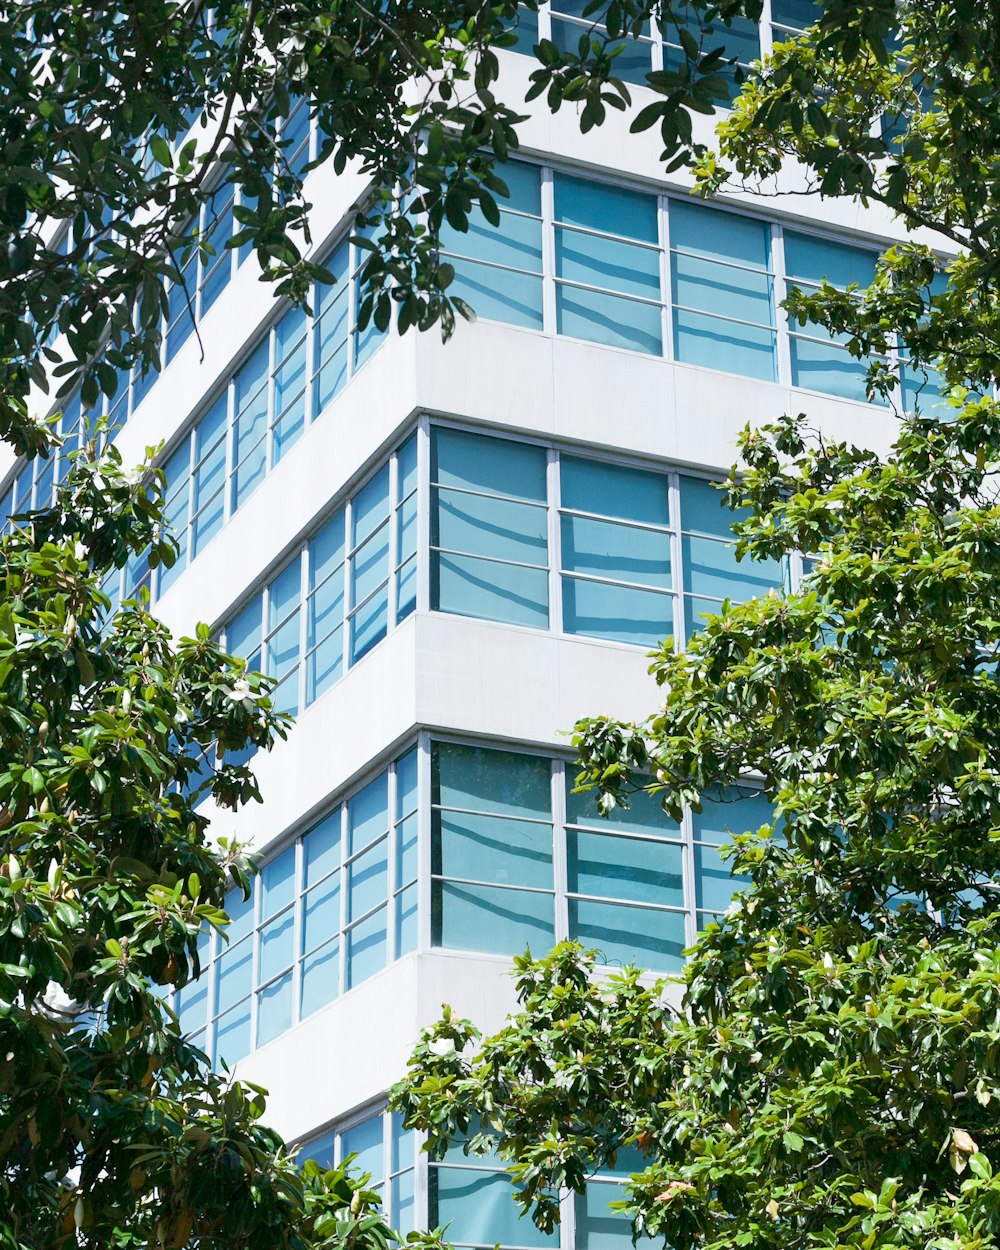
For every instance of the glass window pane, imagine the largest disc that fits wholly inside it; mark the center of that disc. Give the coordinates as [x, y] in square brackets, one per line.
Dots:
[620, 613]
[499, 294]
[368, 879]
[320, 978]
[620, 552]
[715, 883]
[494, 466]
[829, 368]
[243, 633]
[613, 490]
[406, 920]
[369, 625]
[321, 913]
[610, 319]
[736, 812]
[482, 525]
[643, 815]
[274, 1009]
[711, 568]
[365, 1141]
[597, 1226]
[479, 1209]
[484, 780]
[321, 847]
[810, 259]
[486, 918]
[402, 1210]
[580, 202]
[625, 868]
[608, 263]
[515, 244]
[709, 341]
[471, 586]
[232, 1035]
[493, 849]
[406, 849]
[651, 939]
[370, 565]
[233, 975]
[368, 814]
[366, 948]
[277, 948]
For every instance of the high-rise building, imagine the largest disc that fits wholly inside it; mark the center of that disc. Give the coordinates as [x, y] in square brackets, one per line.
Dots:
[446, 554]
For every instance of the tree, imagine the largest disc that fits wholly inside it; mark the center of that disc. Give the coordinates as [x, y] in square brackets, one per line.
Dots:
[830, 1078]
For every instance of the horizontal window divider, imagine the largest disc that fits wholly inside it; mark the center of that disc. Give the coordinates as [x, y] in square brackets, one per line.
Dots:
[541, 822]
[678, 249]
[623, 522]
[472, 555]
[351, 925]
[615, 900]
[449, 254]
[597, 579]
[630, 835]
[368, 599]
[485, 494]
[648, 245]
[573, 285]
[715, 316]
[546, 891]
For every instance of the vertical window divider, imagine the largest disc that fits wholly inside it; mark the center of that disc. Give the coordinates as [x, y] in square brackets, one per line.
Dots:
[192, 443]
[421, 1214]
[345, 636]
[688, 872]
[560, 872]
[780, 291]
[796, 571]
[393, 562]
[424, 864]
[666, 287]
[764, 29]
[342, 952]
[544, 32]
[676, 560]
[548, 250]
[199, 265]
[208, 972]
[309, 399]
[230, 482]
[656, 62]
[297, 929]
[352, 309]
[423, 516]
[270, 420]
[303, 625]
[258, 910]
[554, 536]
[265, 618]
[391, 838]
[567, 1219]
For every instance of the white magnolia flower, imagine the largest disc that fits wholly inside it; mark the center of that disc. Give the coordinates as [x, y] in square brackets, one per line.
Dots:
[441, 1046]
[239, 691]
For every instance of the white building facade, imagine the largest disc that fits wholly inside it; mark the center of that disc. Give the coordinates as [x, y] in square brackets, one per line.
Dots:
[447, 554]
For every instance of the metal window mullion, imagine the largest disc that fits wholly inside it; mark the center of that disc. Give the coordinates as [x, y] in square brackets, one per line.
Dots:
[303, 615]
[688, 873]
[424, 861]
[352, 311]
[342, 936]
[310, 362]
[560, 873]
[393, 543]
[255, 961]
[298, 928]
[544, 32]
[348, 566]
[423, 552]
[567, 1219]
[230, 473]
[548, 251]
[192, 467]
[666, 286]
[272, 416]
[676, 559]
[780, 292]
[214, 941]
[392, 837]
[199, 267]
[554, 541]
[764, 30]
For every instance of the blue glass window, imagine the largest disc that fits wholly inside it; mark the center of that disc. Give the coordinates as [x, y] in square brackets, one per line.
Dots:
[498, 270]
[616, 561]
[250, 424]
[282, 643]
[295, 133]
[489, 538]
[491, 850]
[209, 478]
[369, 565]
[325, 608]
[406, 529]
[330, 332]
[176, 503]
[289, 380]
[740, 40]
[632, 57]
[732, 812]
[607, 284]
[821, 360]
[723, 291]
[922, 388]
[217, 267]
[625, 881]
[711, 570]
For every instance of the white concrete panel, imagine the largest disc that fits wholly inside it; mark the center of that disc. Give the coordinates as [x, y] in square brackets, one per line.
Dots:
[353, 1050]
